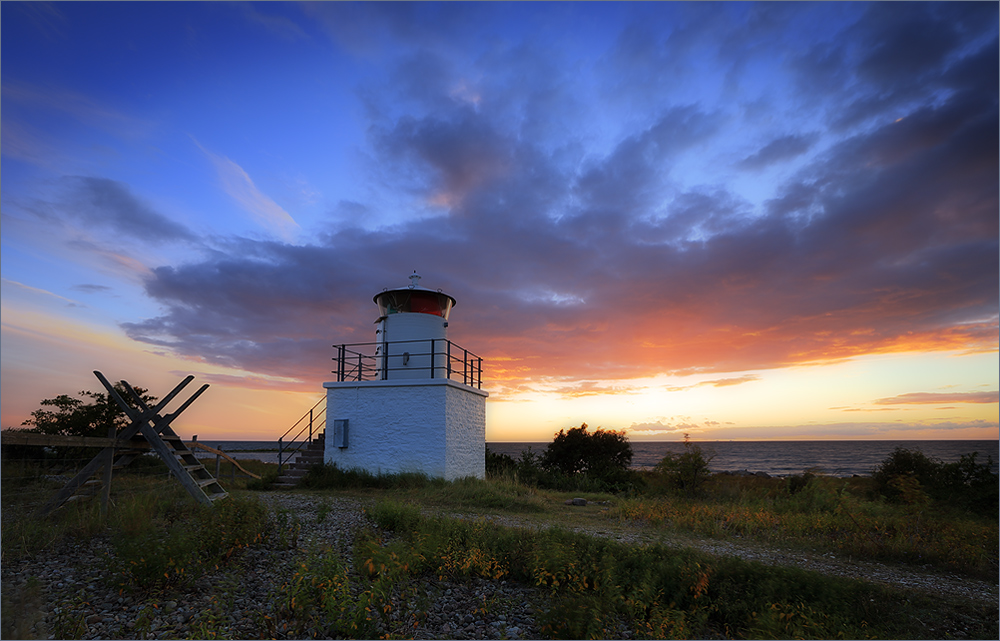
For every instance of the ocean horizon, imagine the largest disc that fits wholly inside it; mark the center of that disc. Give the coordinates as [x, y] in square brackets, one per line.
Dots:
[776, 458]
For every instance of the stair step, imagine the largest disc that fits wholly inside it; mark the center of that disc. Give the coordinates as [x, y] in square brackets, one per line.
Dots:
[205, 482]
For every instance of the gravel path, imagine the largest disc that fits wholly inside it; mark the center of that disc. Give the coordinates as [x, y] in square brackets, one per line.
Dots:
[67, 595]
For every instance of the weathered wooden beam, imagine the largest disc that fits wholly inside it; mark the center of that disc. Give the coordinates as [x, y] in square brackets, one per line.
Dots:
[74, 484]
[202, 446]
[109, 466]
[22, 437]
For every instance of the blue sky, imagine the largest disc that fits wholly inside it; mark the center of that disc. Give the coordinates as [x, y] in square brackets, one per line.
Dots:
[746, 220]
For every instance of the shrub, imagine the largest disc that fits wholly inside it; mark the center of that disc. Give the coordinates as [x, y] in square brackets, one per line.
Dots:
[498, 464]
[903, 462]
[970, 484]
[686, 471]
[906, 474]
[798, 482]
[599, 454]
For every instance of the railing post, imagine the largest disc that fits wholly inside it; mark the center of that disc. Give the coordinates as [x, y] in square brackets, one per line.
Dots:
[448, 358]
[433, 363]
[218, 463]
[479, 374]
[279, 455]
[310, 425]
[466, 365]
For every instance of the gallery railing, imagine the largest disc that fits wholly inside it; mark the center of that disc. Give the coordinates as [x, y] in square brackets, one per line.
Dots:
[397, 360]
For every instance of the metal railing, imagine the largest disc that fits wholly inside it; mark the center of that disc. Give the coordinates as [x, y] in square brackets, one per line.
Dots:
[301, 433]
[432, 358]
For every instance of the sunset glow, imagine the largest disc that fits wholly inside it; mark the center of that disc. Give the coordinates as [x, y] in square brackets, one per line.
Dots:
[734, 221]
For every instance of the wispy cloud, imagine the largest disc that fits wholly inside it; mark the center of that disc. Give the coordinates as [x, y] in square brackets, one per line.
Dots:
[27, 98]
[720, 382]
[35, 290]
[932, 398]
[236, 182]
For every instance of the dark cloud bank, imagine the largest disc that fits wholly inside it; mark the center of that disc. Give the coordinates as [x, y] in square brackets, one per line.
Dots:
[587, 266]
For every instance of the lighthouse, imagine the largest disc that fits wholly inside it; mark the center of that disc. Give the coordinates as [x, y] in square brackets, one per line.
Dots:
[411, 400]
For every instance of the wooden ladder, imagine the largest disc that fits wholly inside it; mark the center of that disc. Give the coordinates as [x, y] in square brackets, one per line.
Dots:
[197, 480]
[149, 425]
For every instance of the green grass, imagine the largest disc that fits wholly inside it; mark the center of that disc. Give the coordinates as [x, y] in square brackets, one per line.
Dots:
[595, 586]
[827, 514]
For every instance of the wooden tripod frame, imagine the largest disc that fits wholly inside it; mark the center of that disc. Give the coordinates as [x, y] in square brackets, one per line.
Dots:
[149, 425]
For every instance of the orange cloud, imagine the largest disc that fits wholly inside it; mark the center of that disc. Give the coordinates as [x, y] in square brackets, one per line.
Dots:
[930, 398]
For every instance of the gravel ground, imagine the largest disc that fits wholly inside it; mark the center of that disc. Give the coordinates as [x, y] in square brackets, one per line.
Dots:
[71, 596]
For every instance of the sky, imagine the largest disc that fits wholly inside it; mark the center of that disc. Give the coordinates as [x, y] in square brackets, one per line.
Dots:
[733, 221]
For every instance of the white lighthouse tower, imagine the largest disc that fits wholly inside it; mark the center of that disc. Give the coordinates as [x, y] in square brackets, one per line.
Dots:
[412, 401]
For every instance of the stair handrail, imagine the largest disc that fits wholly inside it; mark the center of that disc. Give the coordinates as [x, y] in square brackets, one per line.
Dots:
[314, 426]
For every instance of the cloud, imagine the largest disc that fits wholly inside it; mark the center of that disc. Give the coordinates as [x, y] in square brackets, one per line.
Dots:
[279, 25]
[722, 382]
[652, 427]
[884, 239]
[35, 290]
[935, 398]
[89, 288]
[111, 204]
[659, 428]
[778, 150]
[238, 185]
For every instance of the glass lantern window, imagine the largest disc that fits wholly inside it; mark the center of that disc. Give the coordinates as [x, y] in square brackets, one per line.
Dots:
[414, 301]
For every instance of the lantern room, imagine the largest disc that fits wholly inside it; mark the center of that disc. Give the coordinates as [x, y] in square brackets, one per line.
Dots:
[412, 330]
[413, 300]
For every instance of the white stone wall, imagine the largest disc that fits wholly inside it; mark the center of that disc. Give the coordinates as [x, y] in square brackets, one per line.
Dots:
[437, 427]
[465, 434]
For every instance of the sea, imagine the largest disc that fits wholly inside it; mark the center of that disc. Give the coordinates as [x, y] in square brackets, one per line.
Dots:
[776, 458]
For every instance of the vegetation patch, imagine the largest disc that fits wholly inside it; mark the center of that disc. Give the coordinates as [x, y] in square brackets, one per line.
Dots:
[594, 586]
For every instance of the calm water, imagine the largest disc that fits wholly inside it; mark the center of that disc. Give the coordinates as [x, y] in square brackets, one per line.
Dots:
[779, 458]
[837, 458]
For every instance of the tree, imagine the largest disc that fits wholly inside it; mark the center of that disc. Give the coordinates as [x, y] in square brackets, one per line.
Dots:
[77, 417]
[600, 454]
[686, 471]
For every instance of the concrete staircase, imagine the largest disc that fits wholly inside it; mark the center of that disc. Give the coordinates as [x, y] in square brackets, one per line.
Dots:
[308, 456]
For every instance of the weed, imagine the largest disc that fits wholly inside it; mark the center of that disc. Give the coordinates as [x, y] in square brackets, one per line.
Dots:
[322, 511]
[69, 623]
